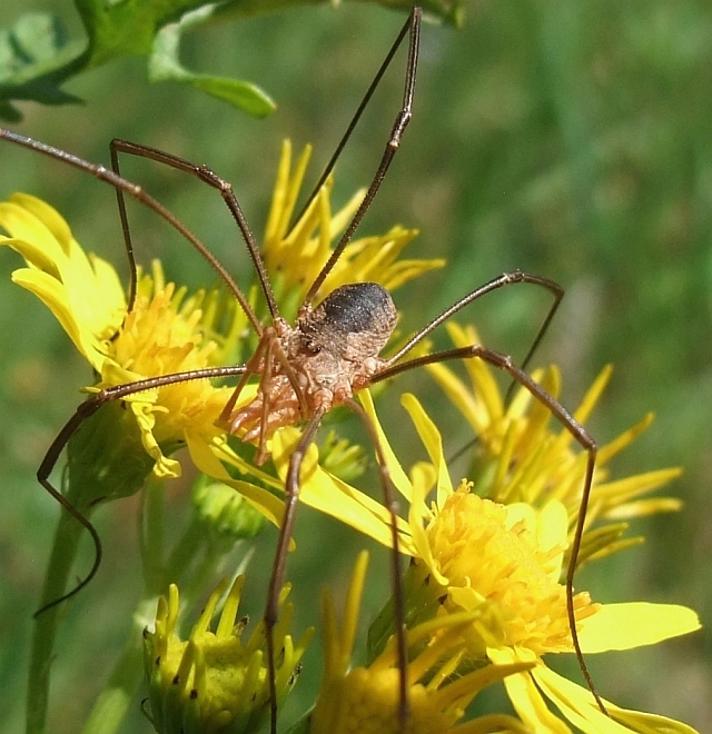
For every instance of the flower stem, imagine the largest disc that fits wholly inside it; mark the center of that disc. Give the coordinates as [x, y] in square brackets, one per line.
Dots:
[64, 551]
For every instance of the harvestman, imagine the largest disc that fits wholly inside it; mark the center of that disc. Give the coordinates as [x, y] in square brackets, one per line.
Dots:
[306, 369]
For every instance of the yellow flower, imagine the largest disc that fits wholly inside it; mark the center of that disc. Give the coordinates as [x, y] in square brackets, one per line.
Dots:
[504, 564]
[365, 699]
[170, 331]
[215, 681]
[167, 330]
[520, 457]
[294, 256]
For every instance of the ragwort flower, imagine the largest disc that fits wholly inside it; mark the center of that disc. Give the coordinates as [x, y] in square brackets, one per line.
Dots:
[166, 331]
[520, 457]
[216, 681]
[294, 255]
[365, 698]
[504, 563]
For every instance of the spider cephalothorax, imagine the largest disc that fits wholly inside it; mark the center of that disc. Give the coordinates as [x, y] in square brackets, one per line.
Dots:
[306, 369]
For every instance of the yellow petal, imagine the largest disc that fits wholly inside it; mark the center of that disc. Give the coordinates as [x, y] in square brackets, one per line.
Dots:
[461, 396]
[579, 706]
[51, 292]
[336, 498]
[645, 723]
[48, 215]
[635, 624]
[204, 458]
[397, 474]
[552, 530]
[524, 695]
[576, 703]
[432, 440]
[623, 490]
[31, 238]
[164, 468]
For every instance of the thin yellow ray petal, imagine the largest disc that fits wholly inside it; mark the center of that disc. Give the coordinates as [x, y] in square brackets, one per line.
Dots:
[524, 695]
[279, 193]
[293, 187]
[625, 489]
[614, 447]
[32, 238]
[576, 703]
[51, 292]
[432, 440]
[336, 498]
[352, 606]
[645, 723]
[48, 215]
[397, 473]
[593, 394]
[644, 508]
[461, 397]
[207, 462]
[635, 624]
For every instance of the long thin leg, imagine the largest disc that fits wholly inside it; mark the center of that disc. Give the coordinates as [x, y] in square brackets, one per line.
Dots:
[579, 433]
[132, 189]
[391, 504]
[84, 411]
[209, 177]
[357, 115]
[558, 293]
[516, 276]
[401, 122]
[291, 495]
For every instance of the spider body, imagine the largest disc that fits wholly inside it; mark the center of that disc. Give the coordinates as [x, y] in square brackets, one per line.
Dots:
[307, 369]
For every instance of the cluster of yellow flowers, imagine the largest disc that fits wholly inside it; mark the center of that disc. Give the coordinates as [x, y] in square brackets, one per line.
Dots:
[484, 600]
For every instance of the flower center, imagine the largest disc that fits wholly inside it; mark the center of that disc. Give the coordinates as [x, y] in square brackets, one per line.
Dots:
[495, 562]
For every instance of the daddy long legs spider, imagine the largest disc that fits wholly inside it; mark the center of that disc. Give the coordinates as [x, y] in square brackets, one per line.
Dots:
[303, 370]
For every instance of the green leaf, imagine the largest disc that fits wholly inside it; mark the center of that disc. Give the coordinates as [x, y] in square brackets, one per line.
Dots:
[36, 57]
[244, 95]
[127, 28]
[33, 56]
[164, 65]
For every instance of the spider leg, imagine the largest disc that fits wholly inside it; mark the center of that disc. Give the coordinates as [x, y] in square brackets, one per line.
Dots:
[84, 411]
[127, 187]
[359, 111]
[264, 412]
[512, 278]
[515, 277]
[291, 492]
[412, 27]
[577, 431]
[251, 368]
[208, 176]
[391, 504]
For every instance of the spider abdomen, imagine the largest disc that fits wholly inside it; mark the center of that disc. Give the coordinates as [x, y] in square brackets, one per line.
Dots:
[353, 322]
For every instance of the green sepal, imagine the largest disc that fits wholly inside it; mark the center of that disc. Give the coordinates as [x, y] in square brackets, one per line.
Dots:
[422, 597]
[105, 458]
[223, 514]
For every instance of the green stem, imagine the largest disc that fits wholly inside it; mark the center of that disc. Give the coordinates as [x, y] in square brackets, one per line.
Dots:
[121, 689]
[64, 551]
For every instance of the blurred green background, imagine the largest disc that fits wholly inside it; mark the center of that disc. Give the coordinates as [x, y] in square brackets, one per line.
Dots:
[570, 140]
